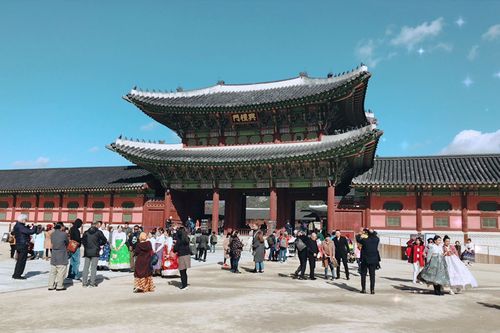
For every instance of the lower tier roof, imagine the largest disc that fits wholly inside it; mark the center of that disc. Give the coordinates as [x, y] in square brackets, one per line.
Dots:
[256, 154]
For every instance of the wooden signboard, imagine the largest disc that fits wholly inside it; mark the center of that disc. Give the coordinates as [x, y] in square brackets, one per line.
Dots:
[244, 118]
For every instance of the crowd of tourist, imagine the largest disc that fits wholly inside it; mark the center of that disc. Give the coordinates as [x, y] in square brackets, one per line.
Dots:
[167, 252]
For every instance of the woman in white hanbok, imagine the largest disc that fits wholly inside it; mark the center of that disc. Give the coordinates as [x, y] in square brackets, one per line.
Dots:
[460, 276]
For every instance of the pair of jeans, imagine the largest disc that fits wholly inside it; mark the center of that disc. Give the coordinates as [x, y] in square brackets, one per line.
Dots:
[89, 264]
[272, 250]
[212, 247]
[282, 254]
[22, 256]
[39, 254]
[330, 265]
[234, 263]
[259, 266]
[74, 265]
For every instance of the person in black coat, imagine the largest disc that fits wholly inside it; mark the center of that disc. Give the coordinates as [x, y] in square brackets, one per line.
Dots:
[370, 257]
[92, 241]
[22, 234]
[312, 254]
[341, 251]
[302, 250]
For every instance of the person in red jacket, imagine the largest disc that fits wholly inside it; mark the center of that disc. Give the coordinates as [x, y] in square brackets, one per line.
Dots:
[417, 257]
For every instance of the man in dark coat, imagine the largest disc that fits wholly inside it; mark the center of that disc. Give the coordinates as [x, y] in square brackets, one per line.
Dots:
[92, 241]
[132, 240]
[302, 250]
[341, 251]
[271, 242]
[312, 254]
[370, 257]
[59, 259]
[202, 241]
[74, 259]
[22, 234]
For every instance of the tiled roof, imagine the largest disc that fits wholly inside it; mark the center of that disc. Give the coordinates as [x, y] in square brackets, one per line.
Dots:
[244, 154]
[74, 179]
[231, 96]
[433, 170]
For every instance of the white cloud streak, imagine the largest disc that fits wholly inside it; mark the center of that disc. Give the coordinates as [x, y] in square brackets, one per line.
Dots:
[473, 142]
[409, 37]
[492, 33]
[40, 162]
[473, 53]
[149, 126]
[94, 149]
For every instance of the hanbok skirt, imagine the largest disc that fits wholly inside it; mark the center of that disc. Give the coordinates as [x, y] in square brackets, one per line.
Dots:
[144, 284]
[435, 272]
[104, 255]
[159, 250]
[170, 263]
[119, 259]
[460, 276]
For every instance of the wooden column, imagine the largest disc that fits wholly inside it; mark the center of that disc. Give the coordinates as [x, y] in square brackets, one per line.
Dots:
[465, 216]
[14, 204]
[273, 204]
[366, 221]
[111, 206]
[167, 206]
[85, 204]
[37, 204]
[59, 214]
[330, 214]
[418, 199]
[215, 210]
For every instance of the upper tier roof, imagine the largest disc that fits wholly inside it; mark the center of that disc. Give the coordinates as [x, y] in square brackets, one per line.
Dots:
[238, 95]
[433, 170]
[74, 179]
[244, 154]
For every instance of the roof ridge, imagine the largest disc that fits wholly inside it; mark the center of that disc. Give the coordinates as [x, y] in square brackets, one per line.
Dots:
[74, 168]
[437, 156]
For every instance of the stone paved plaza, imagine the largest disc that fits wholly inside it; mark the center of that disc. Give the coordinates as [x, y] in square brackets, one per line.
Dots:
[218, 301]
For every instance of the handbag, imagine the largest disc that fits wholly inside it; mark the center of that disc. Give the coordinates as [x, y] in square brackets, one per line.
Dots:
[300, 244]
[154, 259]
[73, 246]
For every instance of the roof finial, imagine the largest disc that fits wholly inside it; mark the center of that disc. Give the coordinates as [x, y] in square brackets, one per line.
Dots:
[221, 82]
[329, 75]
[303, 74]
[179, 89]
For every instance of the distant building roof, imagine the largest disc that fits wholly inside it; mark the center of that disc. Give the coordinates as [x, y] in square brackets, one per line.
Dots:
[74, 179]
[433, 170]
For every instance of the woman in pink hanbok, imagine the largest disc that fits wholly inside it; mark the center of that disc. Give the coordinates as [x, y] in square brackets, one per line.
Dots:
[460, 276]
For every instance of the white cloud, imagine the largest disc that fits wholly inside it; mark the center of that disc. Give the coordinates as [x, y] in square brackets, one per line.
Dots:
[460, 21]
[473, 52]
[94, 149]
[497, 75]
[149, 126]
[473, 142]
[365, 51]
[448, 47]
[40, 162]
[411, 36]
[468, 82]
[492, 33]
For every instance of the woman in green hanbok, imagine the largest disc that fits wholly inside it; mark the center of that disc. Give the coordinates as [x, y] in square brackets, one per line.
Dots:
[120, 257]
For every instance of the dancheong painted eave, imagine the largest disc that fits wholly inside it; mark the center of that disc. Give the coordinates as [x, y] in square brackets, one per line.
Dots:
[236, 97]
[434, 171]
[255, 154]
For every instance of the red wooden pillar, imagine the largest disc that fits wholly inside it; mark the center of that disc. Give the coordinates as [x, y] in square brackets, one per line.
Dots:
[167, 205]
[273, 204]
[111, 207]
[367, 211]
[330, 219]
[85, 204]
[37, 204]
[215, 210]
[14, 204]
[418, 198]
[465, 216]
[59, 214]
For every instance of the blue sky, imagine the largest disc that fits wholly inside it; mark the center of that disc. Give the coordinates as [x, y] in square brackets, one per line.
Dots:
[66, 64]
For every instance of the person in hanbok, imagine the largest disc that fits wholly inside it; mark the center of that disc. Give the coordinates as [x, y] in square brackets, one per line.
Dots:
[469, 255]
[435, 271]
[39, 243]
[416, 257]
[103, 263]
[460, 276]
[143, 274]
[120, 256]
[225, 248]
[158, 246]
[170, 263]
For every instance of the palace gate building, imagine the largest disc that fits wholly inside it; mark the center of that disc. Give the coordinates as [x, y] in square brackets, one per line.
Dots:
[302, 138]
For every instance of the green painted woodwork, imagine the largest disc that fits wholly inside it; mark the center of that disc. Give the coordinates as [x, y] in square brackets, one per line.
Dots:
[49, 205]
[4, 205]
[3, 216]
[243, 184]
[489, 192]
[300, 183]
[127, 194]
[488, 206]
[72, 217]
[73, 205]
[127, 217]
[441, 221]
[393, 221]
[230, 140]
[489, 222]
[267, 138]
[25, 204]
[47, 216]
[444, 192]
[97, 217]
[74, 194]
[393, 206]
[98, 205]
[248, 132]
[441, 206]
[393, 192]
[128, 205]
